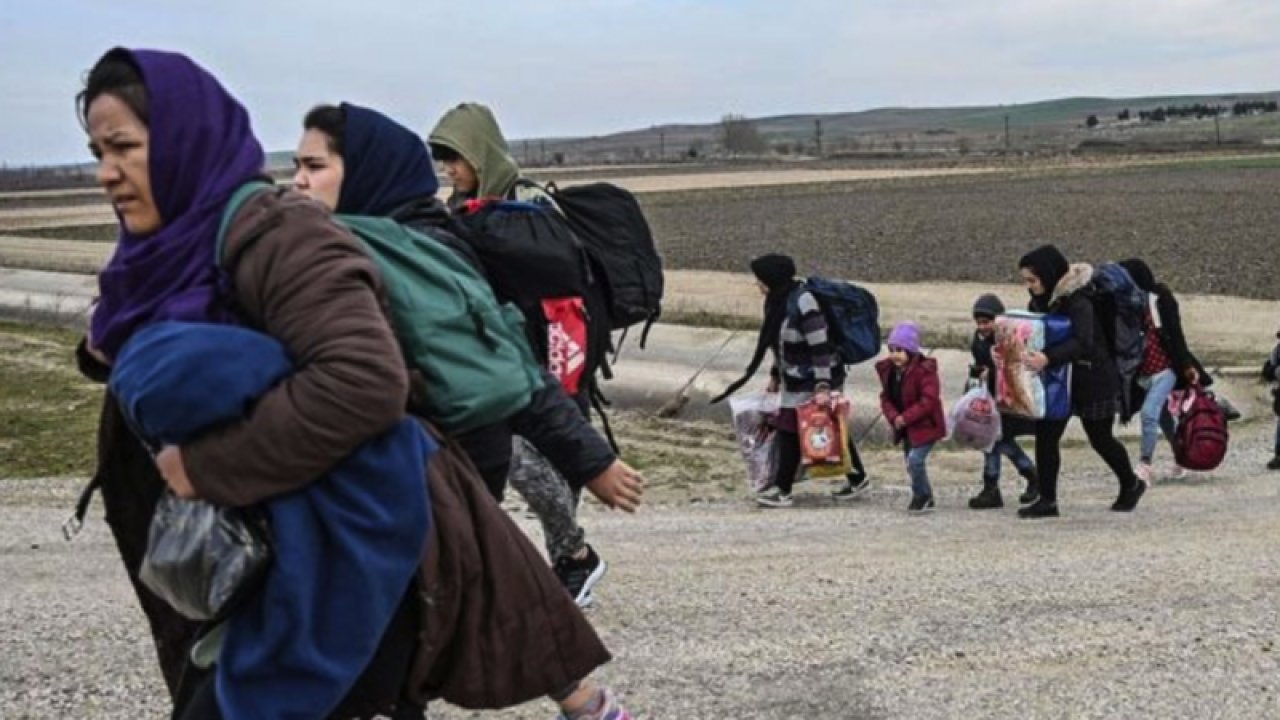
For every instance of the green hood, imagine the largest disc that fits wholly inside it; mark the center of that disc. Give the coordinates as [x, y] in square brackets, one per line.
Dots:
[471, 131]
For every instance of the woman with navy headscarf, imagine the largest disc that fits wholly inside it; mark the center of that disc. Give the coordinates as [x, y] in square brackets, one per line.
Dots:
[357, 161]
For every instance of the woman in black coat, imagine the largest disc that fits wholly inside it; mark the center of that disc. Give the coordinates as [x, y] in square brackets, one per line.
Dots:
[1058, 287]
[1167, 365]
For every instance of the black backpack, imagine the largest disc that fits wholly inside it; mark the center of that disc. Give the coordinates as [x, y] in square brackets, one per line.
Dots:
[530, 256]
[852, 314]
[612, 228]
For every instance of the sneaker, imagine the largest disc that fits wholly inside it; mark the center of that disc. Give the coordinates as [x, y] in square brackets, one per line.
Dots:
[580, 576]
[1039, 509]
[773, 498]
[1229, 411]
[920, 504]
[852, 488]
[1145, 473]
[1179, 473]
[612, 710]
[1274, 464]
[1128, 499]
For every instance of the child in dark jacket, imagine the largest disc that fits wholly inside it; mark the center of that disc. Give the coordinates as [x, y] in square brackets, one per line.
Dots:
[985, 310]
[911, 399]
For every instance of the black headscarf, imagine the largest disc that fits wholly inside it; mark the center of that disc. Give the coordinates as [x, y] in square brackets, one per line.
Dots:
[1050, 265]
[778, 273]
[1141, 274]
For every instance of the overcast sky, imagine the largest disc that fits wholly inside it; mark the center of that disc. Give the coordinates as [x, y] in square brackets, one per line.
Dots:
[556, 67]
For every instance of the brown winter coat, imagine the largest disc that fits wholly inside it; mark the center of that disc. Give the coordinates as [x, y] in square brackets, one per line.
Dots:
[495, 627]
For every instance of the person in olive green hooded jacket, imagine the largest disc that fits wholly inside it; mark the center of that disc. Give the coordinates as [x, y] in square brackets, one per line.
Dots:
[469, 143]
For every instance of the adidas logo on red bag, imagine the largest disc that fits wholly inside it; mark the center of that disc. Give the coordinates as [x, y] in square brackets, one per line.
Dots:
[566, 341]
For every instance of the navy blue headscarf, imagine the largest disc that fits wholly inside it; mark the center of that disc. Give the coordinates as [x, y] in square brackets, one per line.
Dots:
[386, 164]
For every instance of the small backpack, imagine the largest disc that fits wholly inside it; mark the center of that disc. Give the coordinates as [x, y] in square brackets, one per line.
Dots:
[470, 350]
[1201, 438]
[612, 227]
[853, 318]
[1121, 309]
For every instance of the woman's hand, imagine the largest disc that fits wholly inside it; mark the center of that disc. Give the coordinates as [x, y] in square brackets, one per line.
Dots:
[899, 423]
[1037, 361]
[169, 463]
[619, 487]
[1192, 375]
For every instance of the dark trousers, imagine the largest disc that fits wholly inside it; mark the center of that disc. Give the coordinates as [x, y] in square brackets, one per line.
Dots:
[787, 449]
[489, 449]
[383, 678]
[203, 705]
[1102, 439]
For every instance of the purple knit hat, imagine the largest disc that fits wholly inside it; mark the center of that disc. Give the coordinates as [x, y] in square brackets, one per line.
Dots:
[905, 336]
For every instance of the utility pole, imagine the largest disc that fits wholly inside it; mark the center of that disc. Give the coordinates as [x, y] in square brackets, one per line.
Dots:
[542, 152]
[817, 135]
[526, 153]
[662, 145]
[1217, 129]
[1006, 133]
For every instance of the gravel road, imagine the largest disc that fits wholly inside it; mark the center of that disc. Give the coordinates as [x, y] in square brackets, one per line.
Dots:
[717, 609]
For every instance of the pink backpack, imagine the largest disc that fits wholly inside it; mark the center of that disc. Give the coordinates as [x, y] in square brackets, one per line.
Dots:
[1201, 438]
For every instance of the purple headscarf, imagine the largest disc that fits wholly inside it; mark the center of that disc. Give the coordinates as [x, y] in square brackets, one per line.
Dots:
[201, 149]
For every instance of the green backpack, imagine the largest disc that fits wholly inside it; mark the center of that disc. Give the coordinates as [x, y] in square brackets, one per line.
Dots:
[470, 350]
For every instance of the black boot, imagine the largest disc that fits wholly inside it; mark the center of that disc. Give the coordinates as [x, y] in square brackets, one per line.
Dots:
[1275, 463]
[1129, 497]
[1039, 509]
[989, 498]
[1032, 493]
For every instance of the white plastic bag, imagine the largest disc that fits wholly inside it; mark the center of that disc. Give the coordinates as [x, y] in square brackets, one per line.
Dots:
[755, 435]
[975, 421]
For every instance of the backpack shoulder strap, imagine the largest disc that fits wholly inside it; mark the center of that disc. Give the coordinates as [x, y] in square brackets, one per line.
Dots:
[237, 201]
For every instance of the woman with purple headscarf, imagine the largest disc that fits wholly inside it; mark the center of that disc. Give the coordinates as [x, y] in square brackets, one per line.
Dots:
[172, 148]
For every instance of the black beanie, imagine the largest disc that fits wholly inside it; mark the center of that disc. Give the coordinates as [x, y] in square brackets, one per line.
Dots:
[1048, 263]
[988, 306]
[775, 271]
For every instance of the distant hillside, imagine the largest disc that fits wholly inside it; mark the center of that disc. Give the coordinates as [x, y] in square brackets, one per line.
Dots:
[1048, 126]
[1052, 123]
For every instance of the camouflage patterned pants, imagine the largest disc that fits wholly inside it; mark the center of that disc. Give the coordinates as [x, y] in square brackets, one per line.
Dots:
[549, 497]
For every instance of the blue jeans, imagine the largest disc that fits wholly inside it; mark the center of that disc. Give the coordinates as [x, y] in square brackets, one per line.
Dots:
[917, 469]
[1155, 412]
[1006, 447]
